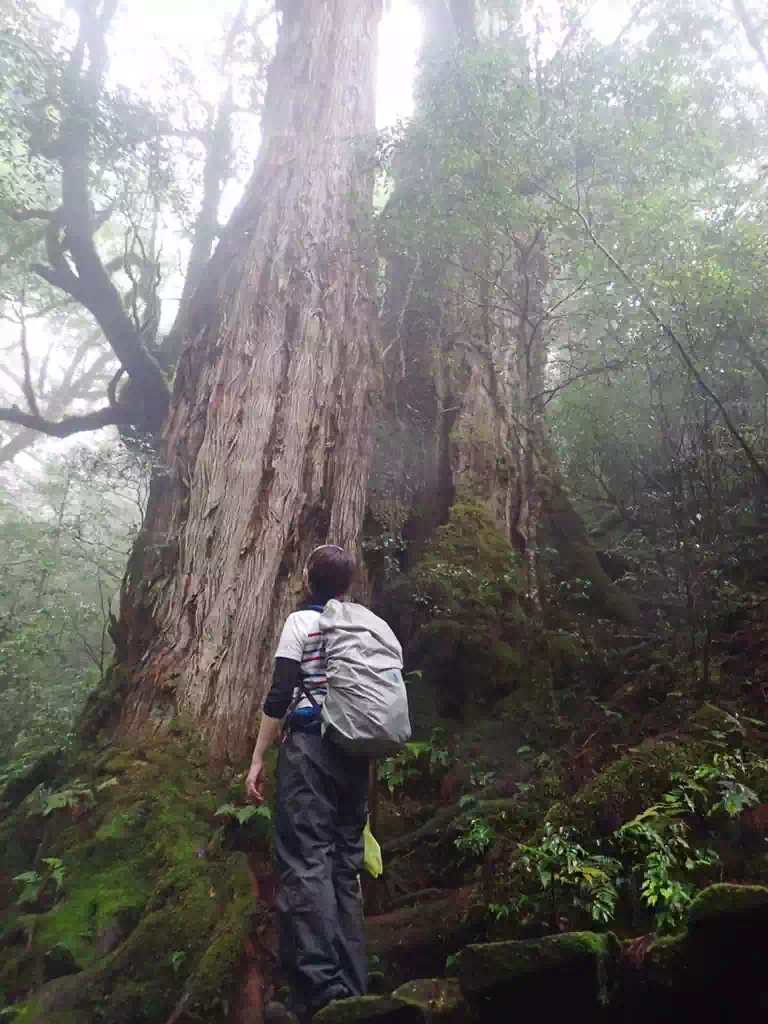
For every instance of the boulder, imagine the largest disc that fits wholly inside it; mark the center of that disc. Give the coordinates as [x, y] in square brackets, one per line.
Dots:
[570, 974]
[438, 999]
[368, 1010]
[712, 972]
[727, 925]
[417, 1002]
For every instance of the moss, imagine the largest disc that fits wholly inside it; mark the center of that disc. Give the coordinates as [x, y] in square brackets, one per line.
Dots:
[94, 902]
[487, 973]
[155, 906]
[437, 997]
[720, 901]
[19, 974]
[460, 611]
[57, 1001]
[66, 1017]
[216, 972]
[383, 1009]
[666, 963]
[626, 786]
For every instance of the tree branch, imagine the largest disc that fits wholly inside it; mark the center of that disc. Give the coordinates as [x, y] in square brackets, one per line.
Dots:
[105, 417]
[667, 330]
[22, 215]
[112, 387]
[750, 30]
[68, 391]
[27, 388]
[86, 279]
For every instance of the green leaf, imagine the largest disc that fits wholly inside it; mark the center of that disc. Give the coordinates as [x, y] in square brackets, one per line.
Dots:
[246, 813]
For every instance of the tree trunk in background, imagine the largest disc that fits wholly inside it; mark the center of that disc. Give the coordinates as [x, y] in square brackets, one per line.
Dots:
[466, 352]
[265, 450]
[411, 486]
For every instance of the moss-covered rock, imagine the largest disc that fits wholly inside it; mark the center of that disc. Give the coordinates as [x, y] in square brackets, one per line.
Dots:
[714, 971]
[666, 964]
[719, 903]
[438, 999]
[376, 1009]
[572, 973]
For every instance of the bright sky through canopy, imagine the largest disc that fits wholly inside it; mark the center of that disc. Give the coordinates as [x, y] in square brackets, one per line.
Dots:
[149, 30]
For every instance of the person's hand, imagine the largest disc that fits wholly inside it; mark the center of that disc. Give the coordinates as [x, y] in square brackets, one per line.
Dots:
[254, 784]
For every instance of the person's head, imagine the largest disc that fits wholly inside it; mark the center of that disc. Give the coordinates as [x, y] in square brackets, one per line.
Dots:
[329, 572]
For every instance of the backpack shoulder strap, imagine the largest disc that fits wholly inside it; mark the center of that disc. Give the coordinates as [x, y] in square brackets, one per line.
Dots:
[304, 691]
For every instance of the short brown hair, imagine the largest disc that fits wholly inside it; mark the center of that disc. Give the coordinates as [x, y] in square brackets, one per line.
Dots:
[329, 570]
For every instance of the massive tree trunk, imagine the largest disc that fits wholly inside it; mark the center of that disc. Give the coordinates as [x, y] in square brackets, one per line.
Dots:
[467, 342]
[265, 450]
[412, 486]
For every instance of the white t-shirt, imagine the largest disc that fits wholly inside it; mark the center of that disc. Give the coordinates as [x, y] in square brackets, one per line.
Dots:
[302, 641]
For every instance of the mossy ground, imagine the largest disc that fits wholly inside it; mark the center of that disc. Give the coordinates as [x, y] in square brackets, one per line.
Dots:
[155, 904]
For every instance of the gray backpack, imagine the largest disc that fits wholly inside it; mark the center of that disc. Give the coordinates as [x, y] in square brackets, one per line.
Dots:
[366, 710]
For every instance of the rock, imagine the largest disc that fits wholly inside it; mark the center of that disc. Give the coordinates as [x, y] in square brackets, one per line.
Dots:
[713, 972]
[572, 974]
[438, 999]
[416, 1002]
[656, 983]
[727, 925]
[722, 903]
[378, 1009]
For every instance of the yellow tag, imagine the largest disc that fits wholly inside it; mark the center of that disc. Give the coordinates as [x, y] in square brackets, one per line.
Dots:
[372, 859]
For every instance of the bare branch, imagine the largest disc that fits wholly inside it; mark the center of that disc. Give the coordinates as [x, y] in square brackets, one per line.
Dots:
[112, 387]
[668, 331]
[61, 277]
[106, 417]
[12, 377]
[750, 30]
[27, 388]
[71, 231]
[68, 391]
[36, 214]
[595, 371]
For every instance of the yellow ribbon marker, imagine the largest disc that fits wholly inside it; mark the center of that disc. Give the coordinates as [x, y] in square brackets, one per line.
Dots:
[372, 861]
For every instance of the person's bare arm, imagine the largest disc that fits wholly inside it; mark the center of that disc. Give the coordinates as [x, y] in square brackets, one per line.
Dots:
[285, 679]
[268, 733]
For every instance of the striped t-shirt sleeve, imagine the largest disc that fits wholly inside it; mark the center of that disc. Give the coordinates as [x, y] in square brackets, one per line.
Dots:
[292, 639]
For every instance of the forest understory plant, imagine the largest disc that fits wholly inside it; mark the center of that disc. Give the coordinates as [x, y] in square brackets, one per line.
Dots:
[654, 863]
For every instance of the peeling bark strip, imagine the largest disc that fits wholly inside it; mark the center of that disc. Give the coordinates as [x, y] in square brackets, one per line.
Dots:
[266, 445]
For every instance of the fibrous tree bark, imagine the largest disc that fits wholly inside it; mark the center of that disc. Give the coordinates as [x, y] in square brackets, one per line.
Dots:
[265, 449]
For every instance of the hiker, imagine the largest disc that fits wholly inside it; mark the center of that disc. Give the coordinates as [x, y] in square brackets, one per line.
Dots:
[320, 810]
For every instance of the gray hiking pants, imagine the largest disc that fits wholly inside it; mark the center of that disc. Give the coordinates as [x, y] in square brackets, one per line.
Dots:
[321, 810]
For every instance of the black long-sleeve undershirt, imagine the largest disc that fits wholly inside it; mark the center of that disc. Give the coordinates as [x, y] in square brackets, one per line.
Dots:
[286, 676]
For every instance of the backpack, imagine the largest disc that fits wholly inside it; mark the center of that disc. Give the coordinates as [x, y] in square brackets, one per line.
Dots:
[366, 709]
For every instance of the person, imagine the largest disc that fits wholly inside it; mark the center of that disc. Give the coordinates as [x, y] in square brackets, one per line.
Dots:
[320, 811]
